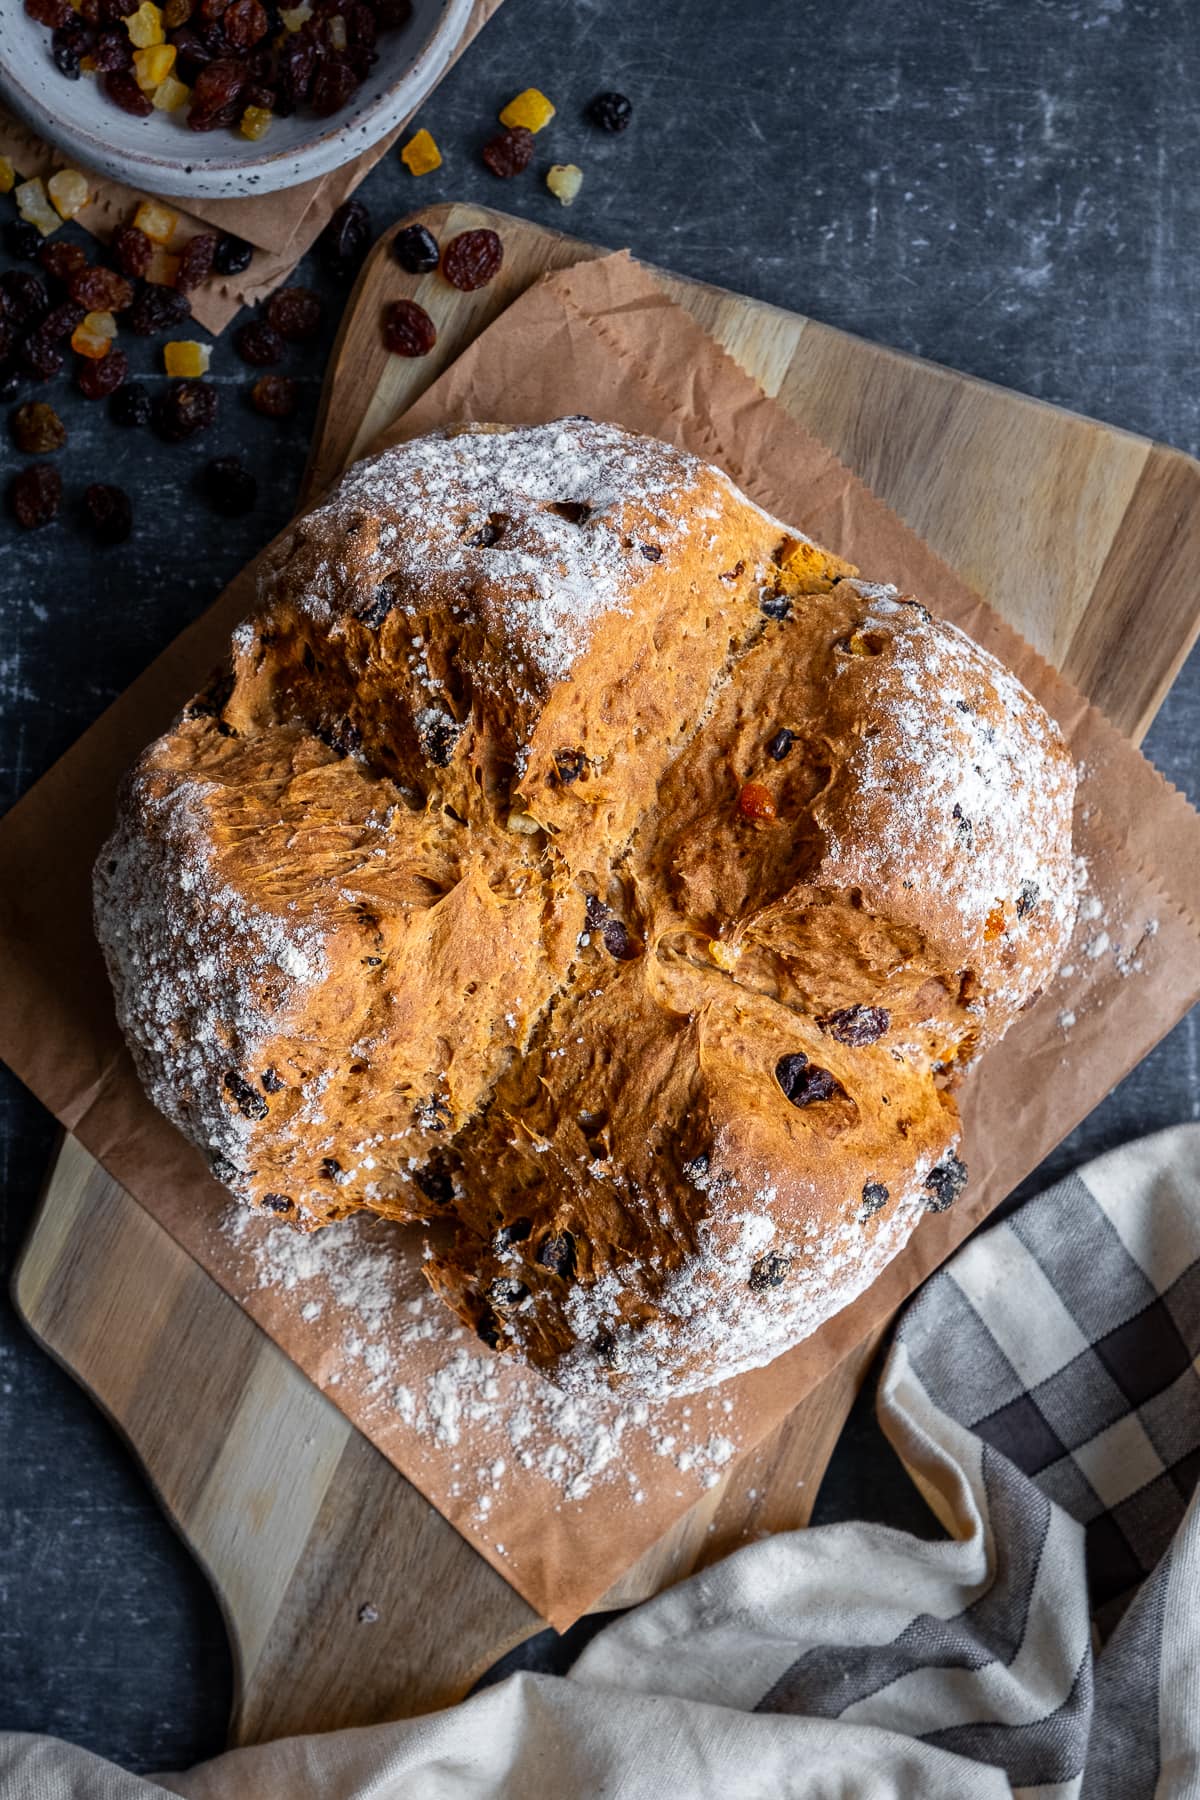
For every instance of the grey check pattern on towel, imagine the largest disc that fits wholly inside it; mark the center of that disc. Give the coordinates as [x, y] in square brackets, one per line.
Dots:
[1042, 1391]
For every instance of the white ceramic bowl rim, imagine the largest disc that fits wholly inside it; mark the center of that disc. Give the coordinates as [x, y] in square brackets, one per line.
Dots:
[222, 165]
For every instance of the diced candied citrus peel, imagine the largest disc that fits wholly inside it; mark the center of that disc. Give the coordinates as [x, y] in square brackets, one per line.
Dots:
[162, 267]
[157, 222]
[337, 32]
[69, 191]
[726, 956]
[94, 335]
[756, 802]
[187, 358]
[152, 66]
[864, 643]
[421, 155]
[8, 176]
[170, 95]
[87, 65]
[564, 181]
[256, 122]
[807, 569]
[530, 109]
[295, 16]
[145, 26]
[34, 205]
[994, 924]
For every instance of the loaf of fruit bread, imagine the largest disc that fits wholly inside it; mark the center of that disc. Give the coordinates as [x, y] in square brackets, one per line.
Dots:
[571, 852]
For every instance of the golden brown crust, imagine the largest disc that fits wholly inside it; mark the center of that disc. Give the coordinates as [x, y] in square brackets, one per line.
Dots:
[579, 851]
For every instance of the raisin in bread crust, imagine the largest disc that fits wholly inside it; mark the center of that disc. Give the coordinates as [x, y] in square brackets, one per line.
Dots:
[447, 897]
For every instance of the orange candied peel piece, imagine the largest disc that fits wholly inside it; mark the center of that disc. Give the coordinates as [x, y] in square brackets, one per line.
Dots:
[806, 569]
[69, 191]
[421, 155]
[185, 357]
[8, 176]
[756, 802]
[94, 334]
[530, 109]
[145, 26]
[994, 925]
[158, 222]
[256, 122]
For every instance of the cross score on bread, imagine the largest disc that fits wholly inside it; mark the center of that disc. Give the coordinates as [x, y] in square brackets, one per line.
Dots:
[571, 850]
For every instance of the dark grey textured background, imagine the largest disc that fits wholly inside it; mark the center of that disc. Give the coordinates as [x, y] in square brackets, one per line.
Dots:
[1007, 186]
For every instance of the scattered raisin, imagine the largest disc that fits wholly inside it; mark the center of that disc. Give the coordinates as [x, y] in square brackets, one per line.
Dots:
[229, 487]
[258, 343]
[278, 1203]
[295, 313]
[111, 519]
[215, 94]
[274, 396]
[55, 13]
[11, 381]
[100, 290]
[176, 13]
[37, 429]
[123, 90]
[515, 1232]
[857, 1025]
[773, 605]
[41, 355]
[185, 408]
[617, 941]
[25, 294]
[570, 765]
[557, 1253]
[66, 54]
[963, 825]
[874, 1197]
[509, 152]
[196, 261]
[506, 1290]
[334, 85]
[61, 261]
[34, 495]
[803, 1082]
[345, 240]
[244, 23]
[130, 404]
[756, 802]
[1027, 899]
[95, 379]
[472, 259]
[781, 744]
[232, 255]
[945, 1183]
[244, 1094]
[416, 249]
[331, 1168]
[770, 1271]
[223, 1169]
[438, 734]
[22, 239]
[435, 1182]
[651, 552]
[610, 112]
[132, 250]
[605, 1346]
[157, 308]
[61, 321]
[112, 52]
[408, 329]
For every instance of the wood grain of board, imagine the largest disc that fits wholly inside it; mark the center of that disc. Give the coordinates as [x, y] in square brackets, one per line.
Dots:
[348, 1598]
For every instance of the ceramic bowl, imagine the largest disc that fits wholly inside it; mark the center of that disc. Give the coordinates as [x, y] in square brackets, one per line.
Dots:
[161, 156]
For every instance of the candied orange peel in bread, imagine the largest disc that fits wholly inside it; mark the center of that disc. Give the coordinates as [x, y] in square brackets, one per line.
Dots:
[572, 851]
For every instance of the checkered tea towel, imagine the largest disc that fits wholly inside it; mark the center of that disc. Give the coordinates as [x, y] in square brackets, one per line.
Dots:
[1042, 1392]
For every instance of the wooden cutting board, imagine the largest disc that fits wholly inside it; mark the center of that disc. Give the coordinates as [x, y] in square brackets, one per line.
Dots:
[348, 1598]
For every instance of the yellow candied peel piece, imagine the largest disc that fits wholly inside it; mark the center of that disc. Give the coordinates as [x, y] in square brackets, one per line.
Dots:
[421, 155]
[8, 176]
[256, 122]
[94, 334]
[145, 26]
[33, 204]
[185, 357]
[69, 191]
[294, 17]
[564, 181]
[170, 95]
[156, 221]
[530, 109]
[151, 67]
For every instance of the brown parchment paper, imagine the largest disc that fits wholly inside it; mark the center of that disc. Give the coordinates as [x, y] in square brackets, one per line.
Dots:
[604, 339]
[281, 225]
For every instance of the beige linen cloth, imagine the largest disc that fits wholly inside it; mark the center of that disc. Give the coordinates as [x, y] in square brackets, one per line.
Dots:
[1042, 1391]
